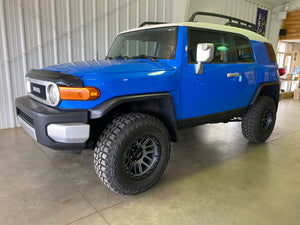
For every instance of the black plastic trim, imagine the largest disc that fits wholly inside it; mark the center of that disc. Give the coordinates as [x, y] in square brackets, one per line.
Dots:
[43, 115]
[261, 86]
[159, 105]
[100, 110]
[55, 77]
[211, 118]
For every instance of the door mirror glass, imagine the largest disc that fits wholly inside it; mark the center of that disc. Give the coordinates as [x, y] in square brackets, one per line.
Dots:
[205, 53]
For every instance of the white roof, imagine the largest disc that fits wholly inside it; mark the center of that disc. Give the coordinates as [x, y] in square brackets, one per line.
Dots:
[250, 34]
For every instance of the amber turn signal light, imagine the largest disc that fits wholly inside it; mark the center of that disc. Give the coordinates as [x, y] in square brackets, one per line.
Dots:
[79, 93]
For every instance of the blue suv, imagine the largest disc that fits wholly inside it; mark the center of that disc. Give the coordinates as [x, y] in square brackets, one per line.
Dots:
[154, 81]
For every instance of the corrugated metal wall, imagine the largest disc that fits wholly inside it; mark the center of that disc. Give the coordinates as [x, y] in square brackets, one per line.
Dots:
[243, 9]
[37, 33]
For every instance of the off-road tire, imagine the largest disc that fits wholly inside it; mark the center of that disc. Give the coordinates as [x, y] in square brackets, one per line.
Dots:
[121, 139]
[259, 120]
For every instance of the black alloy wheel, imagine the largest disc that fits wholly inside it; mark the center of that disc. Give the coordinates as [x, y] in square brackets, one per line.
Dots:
[142, 157]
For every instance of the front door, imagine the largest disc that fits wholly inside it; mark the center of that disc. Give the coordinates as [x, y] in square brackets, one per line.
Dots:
[216, 89]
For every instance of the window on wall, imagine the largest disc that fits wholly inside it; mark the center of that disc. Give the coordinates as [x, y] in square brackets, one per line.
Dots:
[243, 49]
[220, 41]
[282, 47]
[284, 56]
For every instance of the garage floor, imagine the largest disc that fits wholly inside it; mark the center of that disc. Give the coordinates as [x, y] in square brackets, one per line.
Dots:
[214, 177]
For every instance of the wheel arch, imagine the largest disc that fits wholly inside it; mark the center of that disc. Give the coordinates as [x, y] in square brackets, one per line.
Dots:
[159, 105]
[270, 89]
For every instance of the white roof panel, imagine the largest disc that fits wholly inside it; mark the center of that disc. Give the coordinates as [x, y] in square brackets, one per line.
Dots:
[250, 34]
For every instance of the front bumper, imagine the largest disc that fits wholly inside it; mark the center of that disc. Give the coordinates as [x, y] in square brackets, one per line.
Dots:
[54, 128]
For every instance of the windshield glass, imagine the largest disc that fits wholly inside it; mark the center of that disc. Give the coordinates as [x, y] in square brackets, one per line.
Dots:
[157, 43]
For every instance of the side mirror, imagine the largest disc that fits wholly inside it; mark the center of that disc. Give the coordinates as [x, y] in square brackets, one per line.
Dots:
[205, 53]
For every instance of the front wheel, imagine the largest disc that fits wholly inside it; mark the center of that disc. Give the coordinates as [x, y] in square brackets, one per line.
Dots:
[258, 122]
[132, 153]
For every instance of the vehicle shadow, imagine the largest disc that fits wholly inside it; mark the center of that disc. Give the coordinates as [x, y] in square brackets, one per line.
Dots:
[206, 146]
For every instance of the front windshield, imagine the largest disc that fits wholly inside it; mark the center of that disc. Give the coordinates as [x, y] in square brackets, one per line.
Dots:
[157, 43]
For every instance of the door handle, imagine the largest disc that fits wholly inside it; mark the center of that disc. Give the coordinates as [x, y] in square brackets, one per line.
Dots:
[234, 74]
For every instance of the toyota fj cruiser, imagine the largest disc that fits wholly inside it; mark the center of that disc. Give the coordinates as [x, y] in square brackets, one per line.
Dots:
[154, 81]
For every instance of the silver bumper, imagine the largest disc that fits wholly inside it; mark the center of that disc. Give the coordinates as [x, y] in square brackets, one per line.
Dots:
[29, 129]
[63, 133]
[69, 132]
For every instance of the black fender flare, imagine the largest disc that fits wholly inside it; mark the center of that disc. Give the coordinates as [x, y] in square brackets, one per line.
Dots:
[262, 86]
[167, 109]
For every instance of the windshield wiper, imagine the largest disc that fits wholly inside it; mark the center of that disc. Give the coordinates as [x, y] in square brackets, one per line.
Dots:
[118, 57]
[153, 58]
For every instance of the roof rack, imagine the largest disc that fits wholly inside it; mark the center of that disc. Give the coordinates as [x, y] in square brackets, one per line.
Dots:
[232, 21]
[150, 23]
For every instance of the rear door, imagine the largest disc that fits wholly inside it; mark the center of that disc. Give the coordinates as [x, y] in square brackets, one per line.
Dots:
[245, 69]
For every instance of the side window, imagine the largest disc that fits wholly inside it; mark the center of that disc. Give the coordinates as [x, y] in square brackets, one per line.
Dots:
[243, 49]
[220, 41]
[271, 53]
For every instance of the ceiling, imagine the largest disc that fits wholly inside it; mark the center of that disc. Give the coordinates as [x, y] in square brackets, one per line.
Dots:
[274, 3]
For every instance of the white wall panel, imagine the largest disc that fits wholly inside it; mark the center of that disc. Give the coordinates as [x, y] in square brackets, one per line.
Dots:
[38, 33]
[7, 87]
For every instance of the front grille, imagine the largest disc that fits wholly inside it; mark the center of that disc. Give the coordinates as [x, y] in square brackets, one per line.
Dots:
[38, 90]
[25, 117]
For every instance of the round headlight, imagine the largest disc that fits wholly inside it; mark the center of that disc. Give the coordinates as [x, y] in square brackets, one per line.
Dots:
[53, 94]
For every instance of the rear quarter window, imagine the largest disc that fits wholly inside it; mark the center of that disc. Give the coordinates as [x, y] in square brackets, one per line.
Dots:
[271, 52]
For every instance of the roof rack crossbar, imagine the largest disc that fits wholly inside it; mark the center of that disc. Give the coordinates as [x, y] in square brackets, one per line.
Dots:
[232, 21]
[150, 23]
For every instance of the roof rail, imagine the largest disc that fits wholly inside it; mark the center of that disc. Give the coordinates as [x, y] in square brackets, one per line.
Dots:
[232, 21]
[150, 23]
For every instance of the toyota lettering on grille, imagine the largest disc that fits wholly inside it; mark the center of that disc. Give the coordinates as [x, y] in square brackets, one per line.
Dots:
[36, 89]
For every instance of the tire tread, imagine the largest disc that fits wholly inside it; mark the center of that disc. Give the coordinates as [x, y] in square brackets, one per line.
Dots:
[105, 154]
[250, 122]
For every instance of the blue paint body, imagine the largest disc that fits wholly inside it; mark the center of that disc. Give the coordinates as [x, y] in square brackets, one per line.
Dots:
[193, 94]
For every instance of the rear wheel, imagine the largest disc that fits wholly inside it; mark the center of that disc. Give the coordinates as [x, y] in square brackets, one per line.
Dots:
[258, 122]
[132, 153]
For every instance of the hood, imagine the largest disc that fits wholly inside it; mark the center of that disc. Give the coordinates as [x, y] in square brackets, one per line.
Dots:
[110, 66]
[119, 78]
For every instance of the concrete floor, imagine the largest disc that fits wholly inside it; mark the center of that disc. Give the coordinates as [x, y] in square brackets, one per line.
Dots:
[214, 177]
